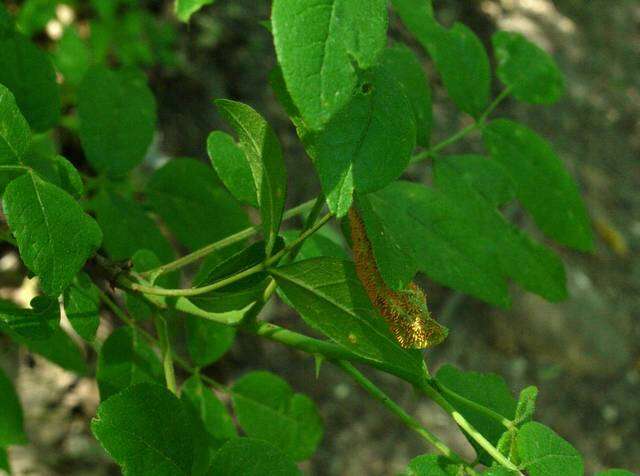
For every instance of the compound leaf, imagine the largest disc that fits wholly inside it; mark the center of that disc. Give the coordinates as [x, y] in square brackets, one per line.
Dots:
[456, 238]
[268, 409]
[117, 114]
[487, 177]
[533, 266]
[543, 185]
[459, 55]
[526, 69]
[55, 237]
[145, 429]
[321, 46]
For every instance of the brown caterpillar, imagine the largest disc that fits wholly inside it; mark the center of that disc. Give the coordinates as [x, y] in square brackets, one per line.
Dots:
[406, 310]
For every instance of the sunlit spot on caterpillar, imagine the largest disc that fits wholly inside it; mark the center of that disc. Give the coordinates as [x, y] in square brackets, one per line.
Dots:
[405, 311]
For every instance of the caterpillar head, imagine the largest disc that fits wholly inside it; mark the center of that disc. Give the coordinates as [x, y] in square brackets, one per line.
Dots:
[411, 322]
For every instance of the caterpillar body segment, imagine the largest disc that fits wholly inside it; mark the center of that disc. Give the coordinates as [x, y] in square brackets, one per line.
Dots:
[406, 310]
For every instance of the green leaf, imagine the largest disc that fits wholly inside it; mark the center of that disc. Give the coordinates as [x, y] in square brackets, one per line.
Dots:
[232, 167]
[145, 429]
[615, 472]
[526, 69]
[4, 457]
[15, 136]
[36, 323]
[68, 177]
[322, 46]
[432, 465]
[408, 71]
[487, 177]
[55, 237]
[117, 114]
[533, 266]
[6, 29]
[186, 8]
[127, 228]
[72, 57]
[82, 306]
[321, 243]
[211, 425]
[252, 457]
[463, 64]
[499, 471]
[459, 55]
[125, 359]
[543, 453]
[215, 417]
[207, 341]
[27, 71]
[526, 405]
[262, 150]
[457, 239]
[367, 144]
[415, 14]
[236, 296]
[184, 192]
[34, 15]
[472, 389]
[330, 298]
[56, 347]
[267, 408]
[11, 425]
[543, 185]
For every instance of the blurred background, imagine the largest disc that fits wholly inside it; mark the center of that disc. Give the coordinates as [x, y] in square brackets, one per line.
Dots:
[583, 354]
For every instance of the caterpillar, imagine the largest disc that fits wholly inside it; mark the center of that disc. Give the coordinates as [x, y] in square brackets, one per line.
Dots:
[405, 311]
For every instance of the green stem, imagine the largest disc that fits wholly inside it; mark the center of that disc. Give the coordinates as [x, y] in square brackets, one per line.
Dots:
[334, 352]
[311, 219]
[14, 168]
[465, 131]
[433, 393]
[182, 363]
[510, 425]
[153, 274]
[407, 419]
[154, 290]
[167, 353]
